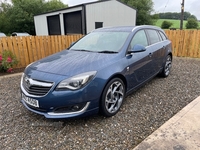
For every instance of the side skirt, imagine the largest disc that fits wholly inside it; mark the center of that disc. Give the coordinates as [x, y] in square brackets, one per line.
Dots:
[141, 84]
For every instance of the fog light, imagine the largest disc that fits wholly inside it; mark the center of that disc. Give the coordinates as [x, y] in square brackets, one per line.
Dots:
[70, 108]
[75, 108]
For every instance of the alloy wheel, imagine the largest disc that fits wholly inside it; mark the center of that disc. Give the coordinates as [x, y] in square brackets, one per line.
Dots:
[168, 65]
[114, 97]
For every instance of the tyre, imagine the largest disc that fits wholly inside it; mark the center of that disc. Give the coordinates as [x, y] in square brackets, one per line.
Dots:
[167, 67]
[112, 97]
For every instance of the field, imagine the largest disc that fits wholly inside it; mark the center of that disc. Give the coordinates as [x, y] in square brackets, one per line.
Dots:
[176, 23]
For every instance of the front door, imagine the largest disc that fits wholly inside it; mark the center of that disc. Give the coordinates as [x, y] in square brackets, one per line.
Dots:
[140, 64]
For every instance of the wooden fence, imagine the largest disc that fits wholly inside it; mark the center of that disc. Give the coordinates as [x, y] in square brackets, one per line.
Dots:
[31, 48]
[185, 43]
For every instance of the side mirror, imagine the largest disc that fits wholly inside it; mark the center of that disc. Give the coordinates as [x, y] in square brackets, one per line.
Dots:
[71, 45]
[137, 48]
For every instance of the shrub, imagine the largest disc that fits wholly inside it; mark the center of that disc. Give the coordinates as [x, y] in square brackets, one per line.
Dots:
[7, 61]
[191, 23]
[166, 24]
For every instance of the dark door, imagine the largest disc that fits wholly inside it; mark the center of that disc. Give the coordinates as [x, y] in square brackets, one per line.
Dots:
[73, 23]
[54, 25]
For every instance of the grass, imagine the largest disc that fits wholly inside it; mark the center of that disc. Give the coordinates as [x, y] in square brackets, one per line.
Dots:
[176, 23]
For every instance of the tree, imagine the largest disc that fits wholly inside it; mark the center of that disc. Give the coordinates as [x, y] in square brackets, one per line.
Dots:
[186, 15]
[155, 18]
[175, 15]
[193, 16]
[169, 15]
[19, 17]
[166, 24]
[192, 23]
[54, 5]
[144, 9]
[4, 7]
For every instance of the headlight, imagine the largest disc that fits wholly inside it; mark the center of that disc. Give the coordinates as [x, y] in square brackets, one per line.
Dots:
[76, 82]
[22, 77]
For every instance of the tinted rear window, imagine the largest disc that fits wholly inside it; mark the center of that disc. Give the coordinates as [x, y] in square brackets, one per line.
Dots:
[153, 36]
[163, 36]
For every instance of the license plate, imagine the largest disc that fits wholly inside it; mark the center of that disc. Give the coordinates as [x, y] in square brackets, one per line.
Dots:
[30, 101]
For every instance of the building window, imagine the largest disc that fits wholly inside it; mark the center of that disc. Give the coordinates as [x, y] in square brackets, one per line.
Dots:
[98, 25]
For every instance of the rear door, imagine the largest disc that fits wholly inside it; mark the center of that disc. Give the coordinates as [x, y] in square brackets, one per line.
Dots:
[166, 47]
[157, 49]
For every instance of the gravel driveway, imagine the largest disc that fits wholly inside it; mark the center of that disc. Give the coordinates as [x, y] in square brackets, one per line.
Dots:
[142, 113]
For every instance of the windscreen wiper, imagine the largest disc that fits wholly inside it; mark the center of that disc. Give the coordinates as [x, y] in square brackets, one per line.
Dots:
[107, 52]
[83, 50]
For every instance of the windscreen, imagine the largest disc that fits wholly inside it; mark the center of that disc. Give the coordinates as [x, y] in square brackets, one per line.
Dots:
[101, 41]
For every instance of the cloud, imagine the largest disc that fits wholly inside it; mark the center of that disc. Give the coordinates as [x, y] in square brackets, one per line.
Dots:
[76, 2]
[191, 6]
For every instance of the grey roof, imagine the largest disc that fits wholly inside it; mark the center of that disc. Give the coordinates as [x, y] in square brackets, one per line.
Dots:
[82, 5]
[116, 28]
[127, 28]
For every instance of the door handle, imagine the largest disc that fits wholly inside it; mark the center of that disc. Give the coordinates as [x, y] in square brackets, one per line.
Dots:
[150, 54]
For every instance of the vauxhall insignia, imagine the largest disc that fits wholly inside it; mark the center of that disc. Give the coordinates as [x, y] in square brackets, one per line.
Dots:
[27, 80]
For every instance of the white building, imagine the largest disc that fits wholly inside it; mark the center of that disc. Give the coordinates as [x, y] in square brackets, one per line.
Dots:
[84, 18]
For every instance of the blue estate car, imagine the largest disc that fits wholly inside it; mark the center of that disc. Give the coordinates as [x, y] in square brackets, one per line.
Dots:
[97, 72]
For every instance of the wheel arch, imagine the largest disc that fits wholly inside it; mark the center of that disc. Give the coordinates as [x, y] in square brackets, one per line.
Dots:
[170, 53]
[120, 76]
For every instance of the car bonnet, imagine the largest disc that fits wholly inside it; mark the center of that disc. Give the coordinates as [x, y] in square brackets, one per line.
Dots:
[69, 63]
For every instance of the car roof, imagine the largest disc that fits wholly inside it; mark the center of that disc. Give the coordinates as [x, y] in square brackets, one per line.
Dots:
[117, 28]
[126, 28]
[2, 34]
[20, 33]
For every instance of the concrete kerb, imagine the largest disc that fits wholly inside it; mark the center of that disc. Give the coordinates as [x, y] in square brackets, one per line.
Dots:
[181, 132]
[11, 75]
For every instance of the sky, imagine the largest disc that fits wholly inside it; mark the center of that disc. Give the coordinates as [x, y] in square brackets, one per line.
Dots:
[160, 6]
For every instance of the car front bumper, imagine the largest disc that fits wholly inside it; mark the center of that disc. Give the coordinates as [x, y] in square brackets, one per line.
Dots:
[82, 113]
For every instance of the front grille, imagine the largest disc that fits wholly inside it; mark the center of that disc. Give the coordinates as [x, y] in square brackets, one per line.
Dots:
[34, 87]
